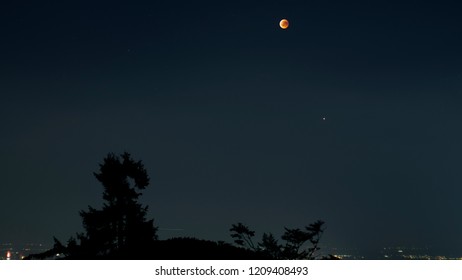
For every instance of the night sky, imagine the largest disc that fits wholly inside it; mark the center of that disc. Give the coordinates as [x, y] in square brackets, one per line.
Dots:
[226, 111]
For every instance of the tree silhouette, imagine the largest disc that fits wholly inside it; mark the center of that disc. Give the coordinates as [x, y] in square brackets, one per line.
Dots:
[295, 239]
[316, 231]
[270, 246]
[121, 225]
[120, 229]
[242, 235]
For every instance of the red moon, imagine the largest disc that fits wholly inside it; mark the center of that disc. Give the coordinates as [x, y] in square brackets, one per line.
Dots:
[284, 23]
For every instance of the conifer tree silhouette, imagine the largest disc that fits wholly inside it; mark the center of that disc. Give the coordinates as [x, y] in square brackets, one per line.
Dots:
[121, 225]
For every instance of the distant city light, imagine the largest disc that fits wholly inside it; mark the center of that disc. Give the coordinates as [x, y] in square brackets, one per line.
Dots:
[8, 255]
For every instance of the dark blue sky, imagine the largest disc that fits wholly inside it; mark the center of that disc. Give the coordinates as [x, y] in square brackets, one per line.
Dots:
[226, 111]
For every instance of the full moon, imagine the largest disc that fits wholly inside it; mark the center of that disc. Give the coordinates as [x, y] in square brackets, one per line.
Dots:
[284, 23]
